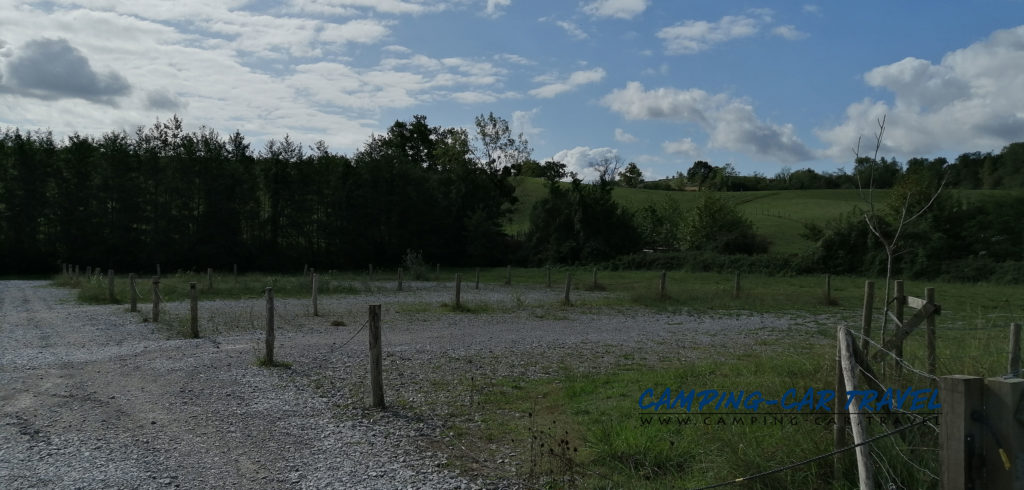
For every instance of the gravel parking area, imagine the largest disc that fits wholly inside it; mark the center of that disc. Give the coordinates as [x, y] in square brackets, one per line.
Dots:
[96, 397]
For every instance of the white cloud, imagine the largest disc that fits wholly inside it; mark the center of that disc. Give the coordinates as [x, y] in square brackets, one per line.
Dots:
[471, 97]
[730, 122]
[352, 7]
[685, 147]
[694, 36]
[572, 29]
[971, 99]
[514, 58]
[789, 32]
[363, 31]
[581, 159]
[522, 122]
[231, 69]
[577, 78]
[624, 137]
[620, 9]
[811, 9]
[494, 7]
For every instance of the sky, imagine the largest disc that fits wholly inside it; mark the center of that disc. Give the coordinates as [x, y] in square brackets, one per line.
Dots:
[760, 85]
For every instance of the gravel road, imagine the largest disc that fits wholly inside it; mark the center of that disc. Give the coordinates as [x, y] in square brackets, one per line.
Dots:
[96, 397]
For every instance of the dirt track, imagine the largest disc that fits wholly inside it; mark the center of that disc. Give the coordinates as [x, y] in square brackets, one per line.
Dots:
[93, 397]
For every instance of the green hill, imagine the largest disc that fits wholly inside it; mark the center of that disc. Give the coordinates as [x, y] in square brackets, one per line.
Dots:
[779, 215]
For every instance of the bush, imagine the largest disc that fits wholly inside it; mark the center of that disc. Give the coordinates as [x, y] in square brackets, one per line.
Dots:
[715, 225]
[413, 262]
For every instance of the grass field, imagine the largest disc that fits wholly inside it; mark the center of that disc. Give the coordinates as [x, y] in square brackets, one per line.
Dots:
[779, 215]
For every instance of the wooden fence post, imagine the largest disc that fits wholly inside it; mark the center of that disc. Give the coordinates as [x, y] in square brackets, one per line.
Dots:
[158, 269]
[133, 293]
[209, 278]
[371, 272]
[234, 272]
[568, 286]
[305, 270]
[929, 298]
[663, 291]
[1004, 452]
[110, 286]
[736, 286]
[508, 275]
[549, 276]
[268, 356]
[899, 301]
[594, 285]
[961, 438]
[458, 290]
[828, 289]
[193, 319]
[865, 316]
[865, 470]
[316, 302]
[437, 270]
[477, 278]
[376, 359]
[312, 271]
[399, 278]
[840, 421]
[1014, 367]
[156, 299]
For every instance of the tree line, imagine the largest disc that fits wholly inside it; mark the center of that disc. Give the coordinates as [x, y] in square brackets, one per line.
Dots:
[974, 170]
[196, 199]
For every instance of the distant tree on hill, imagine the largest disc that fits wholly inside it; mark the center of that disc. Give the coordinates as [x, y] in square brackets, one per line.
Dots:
[497, 148]
[716, 225]
[699, 173]
[631, 176]
[580, 224]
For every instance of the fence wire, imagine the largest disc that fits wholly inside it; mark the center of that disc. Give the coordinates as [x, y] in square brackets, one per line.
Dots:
[888, 473]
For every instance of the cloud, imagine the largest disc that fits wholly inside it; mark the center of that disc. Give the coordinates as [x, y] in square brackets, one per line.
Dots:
[811, 9]
[163, 100]
[581, 159]
[398, 82]
[691, 37]
[694, 36]
[522, 122]
[494, 8]
[354, 7]
[970, 99]
[362, 31]
[577, 78]
[514, 58]
[620, 9]
[685, 147]
[54, 69]
[624, 137]
[471, 97]
[731, 123]
[789, 32]
[572, 29]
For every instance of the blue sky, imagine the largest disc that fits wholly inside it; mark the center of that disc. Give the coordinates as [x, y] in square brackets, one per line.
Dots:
[758, 85]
